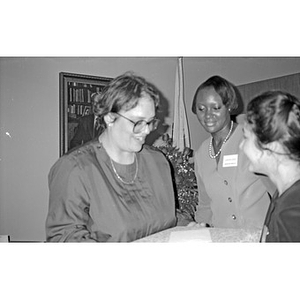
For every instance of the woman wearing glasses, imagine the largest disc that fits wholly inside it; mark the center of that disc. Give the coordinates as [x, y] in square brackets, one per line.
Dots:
[115, 188]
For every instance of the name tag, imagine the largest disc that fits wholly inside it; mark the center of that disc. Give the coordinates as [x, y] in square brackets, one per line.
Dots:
[230, 160]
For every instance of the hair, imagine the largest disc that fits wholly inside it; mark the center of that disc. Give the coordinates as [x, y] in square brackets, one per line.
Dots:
[124, 93]
[95, 97]
[275, 116]
[224, 88]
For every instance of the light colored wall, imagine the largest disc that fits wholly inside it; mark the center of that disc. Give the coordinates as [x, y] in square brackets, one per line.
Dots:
[238, 70]
[29, 118]
[29, 122]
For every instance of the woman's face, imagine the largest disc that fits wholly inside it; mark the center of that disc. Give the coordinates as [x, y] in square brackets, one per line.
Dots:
[254, 154]
[212, 114]
[122, 130]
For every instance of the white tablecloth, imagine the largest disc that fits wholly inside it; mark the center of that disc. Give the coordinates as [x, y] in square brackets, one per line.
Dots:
[215, 235]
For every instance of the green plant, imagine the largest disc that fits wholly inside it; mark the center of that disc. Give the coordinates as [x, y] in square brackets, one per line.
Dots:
[183, 174]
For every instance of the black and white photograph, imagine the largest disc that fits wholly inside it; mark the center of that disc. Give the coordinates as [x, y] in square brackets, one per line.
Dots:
[152, 151]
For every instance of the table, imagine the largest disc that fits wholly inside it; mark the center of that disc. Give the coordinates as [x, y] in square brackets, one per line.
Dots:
[217, 235]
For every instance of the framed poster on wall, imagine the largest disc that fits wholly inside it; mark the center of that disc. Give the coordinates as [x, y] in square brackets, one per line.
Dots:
[75, 92]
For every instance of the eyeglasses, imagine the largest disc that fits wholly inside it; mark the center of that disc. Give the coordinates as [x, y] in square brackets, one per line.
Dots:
[140, 125]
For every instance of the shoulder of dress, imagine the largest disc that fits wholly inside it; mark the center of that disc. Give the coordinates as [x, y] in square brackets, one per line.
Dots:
[237, 135]
[64, 164]
[88, 149]
[76, 159]
[153, 152]
[203, 147]
[150, 149]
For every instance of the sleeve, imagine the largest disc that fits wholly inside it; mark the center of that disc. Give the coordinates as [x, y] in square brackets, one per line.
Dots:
[203, 211]
[68, 214]
[183, 218]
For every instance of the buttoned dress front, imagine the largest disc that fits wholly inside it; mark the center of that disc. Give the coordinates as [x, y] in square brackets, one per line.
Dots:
[230, 196]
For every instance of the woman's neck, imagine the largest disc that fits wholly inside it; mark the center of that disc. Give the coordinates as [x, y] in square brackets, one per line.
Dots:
[286, 176]
[219, 137]
[114, 152]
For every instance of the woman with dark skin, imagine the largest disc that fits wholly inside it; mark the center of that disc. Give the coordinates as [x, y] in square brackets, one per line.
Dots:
[230, 196]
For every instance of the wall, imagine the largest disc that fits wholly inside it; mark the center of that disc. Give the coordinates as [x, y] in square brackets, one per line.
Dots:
[29, 145]
[288, 83]
[238, 70]
[29, 123]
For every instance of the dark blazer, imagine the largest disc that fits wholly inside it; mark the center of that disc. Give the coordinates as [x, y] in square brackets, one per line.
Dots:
[282, 222]
[84, 132]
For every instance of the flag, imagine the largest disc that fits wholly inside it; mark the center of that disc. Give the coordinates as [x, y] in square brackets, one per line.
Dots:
[180, 131]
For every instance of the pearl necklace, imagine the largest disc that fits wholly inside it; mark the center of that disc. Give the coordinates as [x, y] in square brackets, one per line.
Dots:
[119, 177]
[225, 140]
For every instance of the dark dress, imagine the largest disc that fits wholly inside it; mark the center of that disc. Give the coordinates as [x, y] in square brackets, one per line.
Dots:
[282, 222]
[89, 203]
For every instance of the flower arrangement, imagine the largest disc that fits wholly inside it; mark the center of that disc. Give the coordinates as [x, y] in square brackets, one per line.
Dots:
[183, 173]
